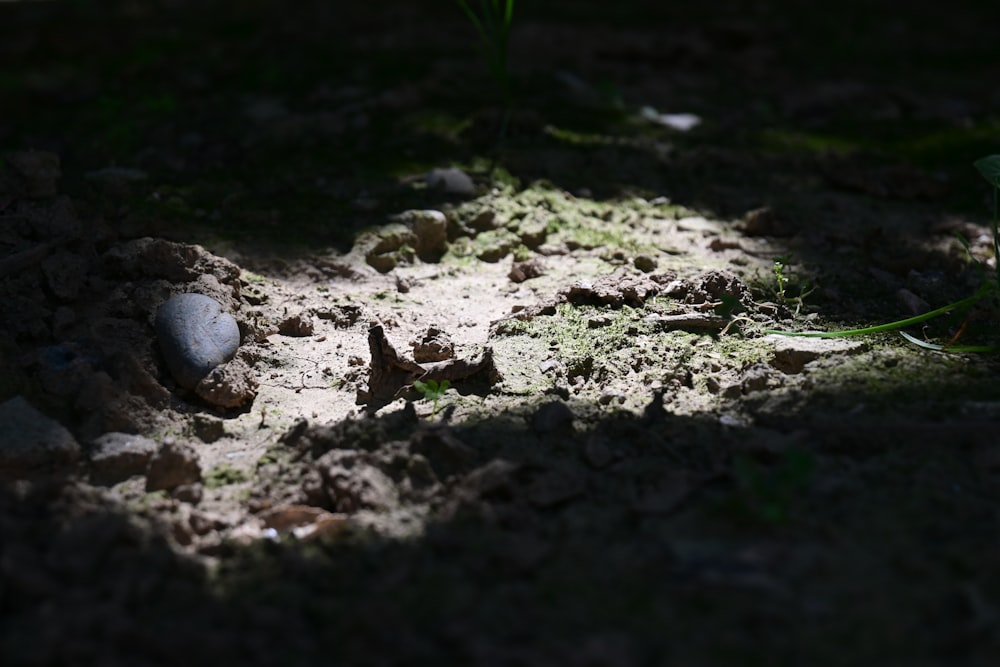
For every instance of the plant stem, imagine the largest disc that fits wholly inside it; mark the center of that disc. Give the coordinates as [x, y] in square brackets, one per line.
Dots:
[982, 292]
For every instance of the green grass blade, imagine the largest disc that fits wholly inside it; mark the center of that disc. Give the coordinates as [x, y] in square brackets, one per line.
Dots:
[891, 326]
[475, 19]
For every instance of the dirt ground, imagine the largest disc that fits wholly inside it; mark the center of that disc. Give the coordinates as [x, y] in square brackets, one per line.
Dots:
[626, 466]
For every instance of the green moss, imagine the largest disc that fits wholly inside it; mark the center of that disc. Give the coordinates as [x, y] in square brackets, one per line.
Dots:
[223, 475]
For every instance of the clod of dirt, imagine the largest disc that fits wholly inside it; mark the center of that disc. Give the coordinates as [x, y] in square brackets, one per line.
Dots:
[433, 345]
[176, 262]
[64, 368]
[207, 428]
[556, 487]
[30, 174]
[597, 453]
[493, 478]
[765, 221]
[616, 289]
[645, 263]
[115, 457]
[715, 286]
[298, 325]
[390, 245]
[30, 440]
[64, 274]
[195, 336]
[231, 385]
[173, 465]
[792, 353]
[350, 484]
[430, 231]
[551, 417]
[533, 231]
[484, 221]
[446, 454]
[391, 376]
[526, 270]
[189, 493]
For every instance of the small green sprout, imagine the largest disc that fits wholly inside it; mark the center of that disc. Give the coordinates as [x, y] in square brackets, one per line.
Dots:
[432, 390]
[784, 280]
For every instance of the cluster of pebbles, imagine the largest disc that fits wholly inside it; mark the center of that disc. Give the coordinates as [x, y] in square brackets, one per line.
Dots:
[110, 336]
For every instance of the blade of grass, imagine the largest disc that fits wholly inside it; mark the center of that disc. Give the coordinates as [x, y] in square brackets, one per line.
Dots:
[981, 293]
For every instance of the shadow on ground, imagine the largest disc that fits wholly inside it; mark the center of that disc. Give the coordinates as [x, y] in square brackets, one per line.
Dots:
[630, 541]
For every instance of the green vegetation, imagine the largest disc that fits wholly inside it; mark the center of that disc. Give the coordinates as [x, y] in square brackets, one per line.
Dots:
[784, 280]
[432, 390]
[989, 168]
[224, 475]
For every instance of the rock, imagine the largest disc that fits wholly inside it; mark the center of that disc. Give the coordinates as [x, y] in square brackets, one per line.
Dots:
[451, 181]
[196, 335]
[31, 174]
[115, 457]
[29, 439]
[173, 465]
[230, 385]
